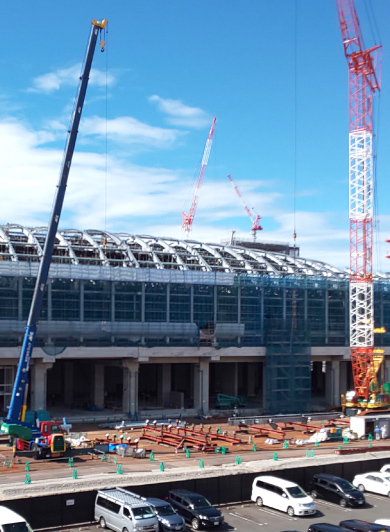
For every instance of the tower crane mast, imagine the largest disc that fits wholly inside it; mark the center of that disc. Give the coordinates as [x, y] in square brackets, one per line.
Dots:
[364, 82]
[189, 218]
[254, 219]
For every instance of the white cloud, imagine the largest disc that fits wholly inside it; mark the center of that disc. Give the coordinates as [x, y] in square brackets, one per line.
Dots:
[146, 200]
[179, 114]
[128, 130]
[53, 81]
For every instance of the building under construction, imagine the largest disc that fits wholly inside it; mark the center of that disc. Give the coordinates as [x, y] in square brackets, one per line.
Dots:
[140, 323]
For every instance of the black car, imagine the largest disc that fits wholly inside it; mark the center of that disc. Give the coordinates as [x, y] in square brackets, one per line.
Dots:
[325, 527]
[167, 517]
[195, 509]
[363, 526]
[335, 489]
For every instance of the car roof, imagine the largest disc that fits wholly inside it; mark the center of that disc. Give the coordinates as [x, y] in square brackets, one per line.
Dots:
[185, 493]
[8, 516]
[326, 476]
[154, 501]
[378, 473]
[364, 525]
[280, 482]
[329, 527]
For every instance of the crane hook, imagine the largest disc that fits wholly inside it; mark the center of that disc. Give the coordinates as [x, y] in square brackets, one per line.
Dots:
[102, 45]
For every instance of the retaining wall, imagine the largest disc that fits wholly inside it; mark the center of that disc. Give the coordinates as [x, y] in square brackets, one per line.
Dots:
[78, 507]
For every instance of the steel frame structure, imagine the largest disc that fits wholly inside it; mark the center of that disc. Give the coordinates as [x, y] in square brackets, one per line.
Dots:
[363, 83]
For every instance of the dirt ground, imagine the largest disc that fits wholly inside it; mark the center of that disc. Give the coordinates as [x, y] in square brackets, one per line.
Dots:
[211, 443]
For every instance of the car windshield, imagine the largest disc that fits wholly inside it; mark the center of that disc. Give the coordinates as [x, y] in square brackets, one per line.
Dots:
[345, 485]
[165, 510]
[199, 502]
[296, 492]
[144, 512]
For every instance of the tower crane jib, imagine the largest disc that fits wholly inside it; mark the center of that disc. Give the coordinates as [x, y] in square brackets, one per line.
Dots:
[254, 218]
[189, 218]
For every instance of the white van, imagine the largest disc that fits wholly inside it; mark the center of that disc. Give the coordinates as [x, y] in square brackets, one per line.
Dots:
[282, 495]
[119, 510]
[10, 521]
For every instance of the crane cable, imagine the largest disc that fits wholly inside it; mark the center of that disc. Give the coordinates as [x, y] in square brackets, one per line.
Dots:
[294, 294]
[102, 45]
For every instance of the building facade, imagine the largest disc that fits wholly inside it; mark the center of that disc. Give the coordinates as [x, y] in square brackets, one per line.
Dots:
[141, 323]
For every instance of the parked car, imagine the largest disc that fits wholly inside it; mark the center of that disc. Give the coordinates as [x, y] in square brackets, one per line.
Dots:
[325, 527]
[10, 520]
[168, 517]
[374, 482]
[385, 468]
[195, 509]
[282, 495]
[119, 510]
[383, 522]
[363, 526]
[335, 489]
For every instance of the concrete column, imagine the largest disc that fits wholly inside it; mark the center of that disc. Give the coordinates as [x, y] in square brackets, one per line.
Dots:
[130, 386]
[343, 377]
[264, 384]
[166, 381]
[201, 386]
[336, 382]
[328, 385]
[68, 388]
[38, 385]
[98, 396]
[235, 379]
[251, 375]
[332, 383]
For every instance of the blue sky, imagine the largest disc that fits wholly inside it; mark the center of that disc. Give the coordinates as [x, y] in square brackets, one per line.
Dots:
[274, 74]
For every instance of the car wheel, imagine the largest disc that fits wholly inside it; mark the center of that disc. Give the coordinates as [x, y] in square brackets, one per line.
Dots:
[343, 503]
[195, 523]
[361, 488]
[259, 501]
[314, 494]
[290, 511]
[125, 530]
[102, 522]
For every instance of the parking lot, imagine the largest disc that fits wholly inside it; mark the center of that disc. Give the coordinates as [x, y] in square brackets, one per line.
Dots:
[248, 517]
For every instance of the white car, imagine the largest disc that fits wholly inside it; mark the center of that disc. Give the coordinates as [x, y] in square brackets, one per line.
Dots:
[375, 482]
[385, 522]
[385, 468]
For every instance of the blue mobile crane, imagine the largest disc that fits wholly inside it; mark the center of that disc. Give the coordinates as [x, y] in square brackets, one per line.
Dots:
[14, 424]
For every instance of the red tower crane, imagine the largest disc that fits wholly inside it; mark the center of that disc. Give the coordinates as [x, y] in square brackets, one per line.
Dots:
[364, 82]
[254, 218]
[189, 218]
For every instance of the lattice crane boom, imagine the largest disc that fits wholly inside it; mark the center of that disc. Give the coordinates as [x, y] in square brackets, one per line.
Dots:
[254, 218]
[189, 218]
[364, 76]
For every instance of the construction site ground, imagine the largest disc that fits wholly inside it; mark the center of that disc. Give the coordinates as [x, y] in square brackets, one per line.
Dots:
[163, 462]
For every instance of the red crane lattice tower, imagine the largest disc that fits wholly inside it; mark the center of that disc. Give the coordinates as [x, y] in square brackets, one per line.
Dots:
[189, 218]
[364, 81]
[254, 218]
